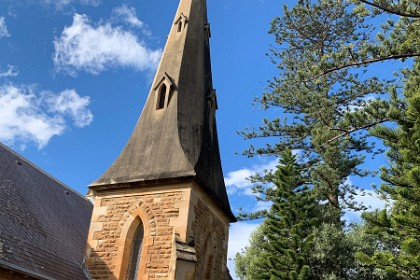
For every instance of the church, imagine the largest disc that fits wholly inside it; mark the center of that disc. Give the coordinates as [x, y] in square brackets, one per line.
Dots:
[160, 211]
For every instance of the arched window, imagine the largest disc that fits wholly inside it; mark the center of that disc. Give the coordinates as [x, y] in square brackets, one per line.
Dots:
[161, 97]
[135, 254]
[180, 26]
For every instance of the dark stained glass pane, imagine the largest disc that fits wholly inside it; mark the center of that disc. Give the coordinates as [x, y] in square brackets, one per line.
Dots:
[162, 95]
[133, 265]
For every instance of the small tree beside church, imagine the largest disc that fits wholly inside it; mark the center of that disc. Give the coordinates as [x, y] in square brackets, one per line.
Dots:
[286, 234]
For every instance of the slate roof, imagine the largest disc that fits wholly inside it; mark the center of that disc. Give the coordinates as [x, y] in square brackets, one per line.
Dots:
[180, 140]
[43, 223]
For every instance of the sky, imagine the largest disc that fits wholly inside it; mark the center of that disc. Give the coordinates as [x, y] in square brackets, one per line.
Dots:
[74, 76]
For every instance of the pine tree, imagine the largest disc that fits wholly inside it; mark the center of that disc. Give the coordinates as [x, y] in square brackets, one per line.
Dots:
[297, 241]
[288, 228]
[323, 49]
[399, 228]
[325, 114]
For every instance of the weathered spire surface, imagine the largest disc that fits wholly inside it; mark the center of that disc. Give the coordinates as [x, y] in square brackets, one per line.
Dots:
[176, 135]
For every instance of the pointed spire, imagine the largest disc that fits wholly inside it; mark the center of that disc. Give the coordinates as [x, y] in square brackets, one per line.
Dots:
[176, 134]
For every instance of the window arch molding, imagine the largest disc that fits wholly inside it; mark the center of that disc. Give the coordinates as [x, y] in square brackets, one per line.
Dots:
[181, 23]
[163, 92]
[134, 218]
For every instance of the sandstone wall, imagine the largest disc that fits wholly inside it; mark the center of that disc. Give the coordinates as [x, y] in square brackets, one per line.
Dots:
[107, 257]
[211, 238]
[176, 213]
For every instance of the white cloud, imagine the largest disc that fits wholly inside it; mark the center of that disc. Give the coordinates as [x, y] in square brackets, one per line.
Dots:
[239, 178]
[60, 4]
[11, 71]
[68, 102]
[360, 104]
[84, 47]
[262, 205]
[237, 181]
[369, 199]
[90, 2]
[30, 116]
[238, 238]
[128, 15]
[3, 28]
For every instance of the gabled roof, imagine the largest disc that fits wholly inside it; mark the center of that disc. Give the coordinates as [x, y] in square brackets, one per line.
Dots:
[43, 223]
[179, 139]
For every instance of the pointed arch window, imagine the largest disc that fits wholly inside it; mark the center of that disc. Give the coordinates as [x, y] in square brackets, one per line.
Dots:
[181, 23]
[163, 92]
[135, 254]
[161, 97]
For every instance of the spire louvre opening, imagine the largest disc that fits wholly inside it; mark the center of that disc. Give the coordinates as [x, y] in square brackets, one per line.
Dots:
[161, 97]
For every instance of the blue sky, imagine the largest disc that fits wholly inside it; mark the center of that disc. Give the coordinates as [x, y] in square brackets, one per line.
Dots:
[74, 75]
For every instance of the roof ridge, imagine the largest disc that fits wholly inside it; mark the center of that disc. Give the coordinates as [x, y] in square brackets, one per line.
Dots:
[42, 171]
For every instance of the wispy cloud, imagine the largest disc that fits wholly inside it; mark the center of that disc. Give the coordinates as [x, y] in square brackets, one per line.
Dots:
[368, 198]
[238, 181]
[371, 200]
[12, 71]
[84, 46]
[61, 4]
[28, 115]
[69, 103]
[262, 205]
[359, 104]
[128, 15]
[3, 28]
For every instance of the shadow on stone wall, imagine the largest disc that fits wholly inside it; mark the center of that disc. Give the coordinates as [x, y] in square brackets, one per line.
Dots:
[96, 267]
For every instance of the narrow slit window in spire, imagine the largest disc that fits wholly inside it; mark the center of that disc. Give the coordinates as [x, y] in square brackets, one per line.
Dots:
[161, 97]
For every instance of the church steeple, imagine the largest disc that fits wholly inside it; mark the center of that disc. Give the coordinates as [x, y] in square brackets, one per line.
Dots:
[161, 210]
[176, 137]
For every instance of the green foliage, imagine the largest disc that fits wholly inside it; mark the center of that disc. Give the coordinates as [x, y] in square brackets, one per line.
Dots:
[247, 262]
[289, 224]
[285, 239]
[399, 228]
[326, 113]
[331, 107]
[297, 241]
[332, 256]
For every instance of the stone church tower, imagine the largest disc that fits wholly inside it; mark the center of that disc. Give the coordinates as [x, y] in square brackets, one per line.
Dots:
[161, 210]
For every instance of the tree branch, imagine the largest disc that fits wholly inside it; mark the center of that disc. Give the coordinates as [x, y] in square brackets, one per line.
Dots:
[359, 63]
[347, 132]
[389, 10]
[353, 130]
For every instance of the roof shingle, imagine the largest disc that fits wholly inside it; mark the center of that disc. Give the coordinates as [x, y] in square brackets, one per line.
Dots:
[43, 223]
